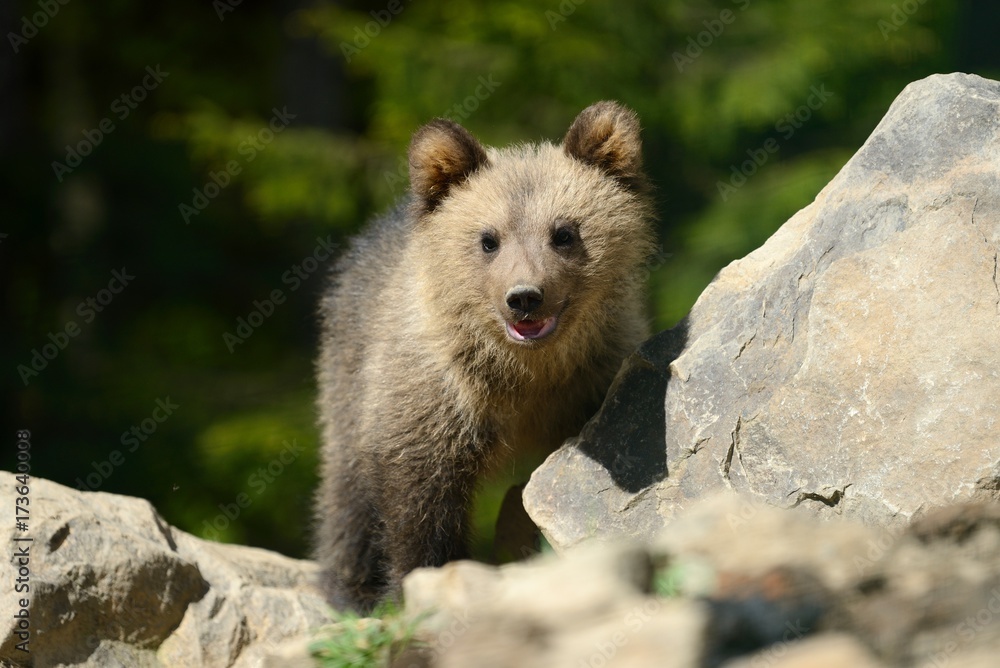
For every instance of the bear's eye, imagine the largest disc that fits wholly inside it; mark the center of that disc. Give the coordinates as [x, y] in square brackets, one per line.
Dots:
[563, 237]
[489, 242]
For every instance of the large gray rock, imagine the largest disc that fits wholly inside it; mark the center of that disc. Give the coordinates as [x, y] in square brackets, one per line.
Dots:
[851, 365]
[591, 608]
[749, 585]
[112, 584]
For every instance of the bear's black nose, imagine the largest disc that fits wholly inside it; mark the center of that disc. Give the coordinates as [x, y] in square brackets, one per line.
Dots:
[524, 299]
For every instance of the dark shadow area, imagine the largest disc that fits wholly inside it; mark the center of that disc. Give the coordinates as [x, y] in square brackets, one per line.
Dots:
[783, 607]
[627, 436]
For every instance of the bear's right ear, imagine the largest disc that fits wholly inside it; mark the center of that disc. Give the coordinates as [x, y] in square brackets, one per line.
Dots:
[442, 154]
[606, 135]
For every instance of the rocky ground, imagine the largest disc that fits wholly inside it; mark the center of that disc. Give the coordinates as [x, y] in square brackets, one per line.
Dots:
[735, 584]
[729, 582]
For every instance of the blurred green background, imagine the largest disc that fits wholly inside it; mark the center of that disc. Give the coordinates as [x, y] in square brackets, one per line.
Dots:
[213, 151]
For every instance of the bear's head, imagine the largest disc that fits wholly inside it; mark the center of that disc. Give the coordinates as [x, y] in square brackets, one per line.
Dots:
[528, 245]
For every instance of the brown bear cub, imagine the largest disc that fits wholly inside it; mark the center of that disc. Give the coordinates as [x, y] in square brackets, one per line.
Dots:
[484, 317]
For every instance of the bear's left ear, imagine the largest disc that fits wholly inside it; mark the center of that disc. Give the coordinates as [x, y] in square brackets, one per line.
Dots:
[442, 154]
[606, 135]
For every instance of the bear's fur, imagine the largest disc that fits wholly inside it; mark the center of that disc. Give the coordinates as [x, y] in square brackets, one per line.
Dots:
[486, 315]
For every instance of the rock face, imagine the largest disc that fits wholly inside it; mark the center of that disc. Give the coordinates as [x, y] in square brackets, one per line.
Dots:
[750, 585]
[586, 609]
[112, 584]
[850, 366]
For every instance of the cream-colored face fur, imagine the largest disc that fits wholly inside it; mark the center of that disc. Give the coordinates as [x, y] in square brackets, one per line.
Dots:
[534, 241]
[529, 244]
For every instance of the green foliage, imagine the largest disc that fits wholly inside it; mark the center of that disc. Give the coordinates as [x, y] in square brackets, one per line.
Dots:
[668, 580]
[288, 174]
[352, 641]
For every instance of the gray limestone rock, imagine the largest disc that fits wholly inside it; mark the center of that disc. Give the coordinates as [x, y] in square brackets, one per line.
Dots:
[851, 365]
[111, 583]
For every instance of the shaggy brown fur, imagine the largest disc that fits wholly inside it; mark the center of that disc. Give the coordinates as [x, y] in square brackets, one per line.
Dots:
[484, 316]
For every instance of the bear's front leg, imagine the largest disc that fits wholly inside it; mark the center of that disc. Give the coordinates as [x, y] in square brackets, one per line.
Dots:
[425, 509]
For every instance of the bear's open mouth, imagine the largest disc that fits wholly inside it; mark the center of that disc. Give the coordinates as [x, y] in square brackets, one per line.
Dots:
[529, 330]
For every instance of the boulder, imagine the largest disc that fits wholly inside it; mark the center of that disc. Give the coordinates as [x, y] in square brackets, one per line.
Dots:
[733, 584]
[831, 650]
[111, 583]
[591, 608]
[850, 366]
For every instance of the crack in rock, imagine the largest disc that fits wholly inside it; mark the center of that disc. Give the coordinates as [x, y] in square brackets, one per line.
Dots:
[58, 538]
[636, 500]
[725, 466]
[828, 498]
[996, 285]
[164, 528]
[744, 346]
[698, 446]
[991, 246]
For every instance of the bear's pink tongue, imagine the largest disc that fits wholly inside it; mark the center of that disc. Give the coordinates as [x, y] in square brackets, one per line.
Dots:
[529, 328]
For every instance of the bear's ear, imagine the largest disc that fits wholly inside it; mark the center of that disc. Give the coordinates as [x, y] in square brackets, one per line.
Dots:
[606, 135]
[442, 154]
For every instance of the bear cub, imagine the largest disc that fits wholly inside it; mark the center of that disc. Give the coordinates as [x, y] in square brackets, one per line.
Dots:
[485, 316]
